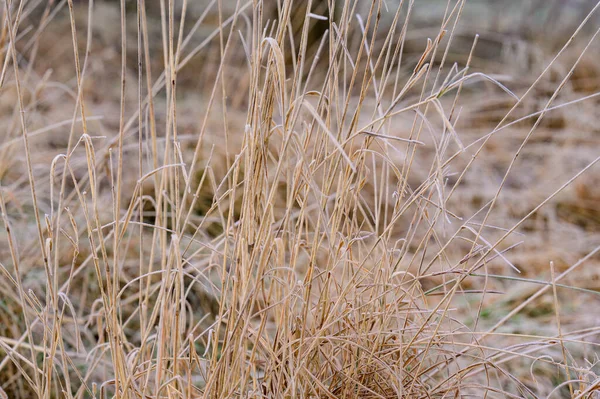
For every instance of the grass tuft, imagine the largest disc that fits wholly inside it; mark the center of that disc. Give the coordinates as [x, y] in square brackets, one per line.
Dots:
[298, 199]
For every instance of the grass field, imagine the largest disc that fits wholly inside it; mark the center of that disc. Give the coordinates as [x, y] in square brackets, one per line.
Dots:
[299, 199]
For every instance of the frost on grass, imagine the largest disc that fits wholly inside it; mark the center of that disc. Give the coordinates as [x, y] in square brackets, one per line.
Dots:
[296, 199]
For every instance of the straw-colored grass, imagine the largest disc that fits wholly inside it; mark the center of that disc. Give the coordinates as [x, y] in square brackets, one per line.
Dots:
[296, 199]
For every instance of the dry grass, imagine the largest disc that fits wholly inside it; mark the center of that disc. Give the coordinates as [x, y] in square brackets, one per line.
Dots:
[296, 199]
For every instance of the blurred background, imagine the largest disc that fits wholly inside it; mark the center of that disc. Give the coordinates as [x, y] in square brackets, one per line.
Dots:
[517, 41]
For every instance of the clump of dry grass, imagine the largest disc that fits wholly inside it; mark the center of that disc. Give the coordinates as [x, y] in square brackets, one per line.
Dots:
[292, 199]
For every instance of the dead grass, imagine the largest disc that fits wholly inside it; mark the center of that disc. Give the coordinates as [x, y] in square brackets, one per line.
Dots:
[296, 199]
